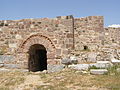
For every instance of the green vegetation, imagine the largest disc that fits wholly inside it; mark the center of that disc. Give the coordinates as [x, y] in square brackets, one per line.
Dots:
[113, 70]
[93, 67]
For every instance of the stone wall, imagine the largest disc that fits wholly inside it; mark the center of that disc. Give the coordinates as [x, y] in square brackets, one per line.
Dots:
[56, 34]
[103, 46]
[15, 35]
[112, 41]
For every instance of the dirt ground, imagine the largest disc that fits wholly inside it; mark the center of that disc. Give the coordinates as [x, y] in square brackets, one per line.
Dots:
[66, 79]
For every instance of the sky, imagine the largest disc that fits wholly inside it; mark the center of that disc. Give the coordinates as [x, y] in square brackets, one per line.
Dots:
[20, 9]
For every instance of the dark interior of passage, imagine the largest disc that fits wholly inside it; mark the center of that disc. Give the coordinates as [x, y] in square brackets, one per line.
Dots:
[37, 58]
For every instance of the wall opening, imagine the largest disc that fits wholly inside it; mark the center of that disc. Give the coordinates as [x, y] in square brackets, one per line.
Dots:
[37, 58]
[85, 47]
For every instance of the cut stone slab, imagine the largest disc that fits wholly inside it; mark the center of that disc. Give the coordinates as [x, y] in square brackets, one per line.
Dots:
[4, 70]
[73, 60]
[12, 66]
[102, 64]
[98, 71]
[5, 58]
[1, 65]
[22, 70]
[103, 61]
[79, 66]
[66, 61]
[115, 61]
[55, 68]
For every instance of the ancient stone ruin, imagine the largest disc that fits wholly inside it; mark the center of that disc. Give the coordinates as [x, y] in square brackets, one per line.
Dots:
[35, 43]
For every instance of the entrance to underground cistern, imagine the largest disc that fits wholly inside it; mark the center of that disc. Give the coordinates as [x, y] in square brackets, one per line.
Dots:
[37, 58]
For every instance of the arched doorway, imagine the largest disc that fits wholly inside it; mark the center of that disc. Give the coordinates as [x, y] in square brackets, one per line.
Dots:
[30, 45]
[37, 58]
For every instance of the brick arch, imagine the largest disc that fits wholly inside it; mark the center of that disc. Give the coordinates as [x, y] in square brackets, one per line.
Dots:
[38, 39]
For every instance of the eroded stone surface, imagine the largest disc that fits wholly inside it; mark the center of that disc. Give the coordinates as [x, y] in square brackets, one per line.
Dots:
[115, 61]
[79, 66]
[98, 71]
[102, 64]
[55, 68]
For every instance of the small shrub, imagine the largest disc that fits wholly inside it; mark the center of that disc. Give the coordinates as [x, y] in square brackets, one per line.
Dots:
[93, 67]
[113, 70]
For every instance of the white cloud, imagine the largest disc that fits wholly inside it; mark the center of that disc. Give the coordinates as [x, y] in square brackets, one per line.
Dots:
[115, 25]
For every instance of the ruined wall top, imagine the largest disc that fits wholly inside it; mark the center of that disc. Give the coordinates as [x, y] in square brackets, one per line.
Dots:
[87, 19]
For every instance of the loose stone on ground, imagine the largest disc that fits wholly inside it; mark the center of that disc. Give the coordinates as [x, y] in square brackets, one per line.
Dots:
[98, 71]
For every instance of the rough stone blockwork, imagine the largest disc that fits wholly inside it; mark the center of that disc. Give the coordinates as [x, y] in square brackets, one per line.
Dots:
[91, 40]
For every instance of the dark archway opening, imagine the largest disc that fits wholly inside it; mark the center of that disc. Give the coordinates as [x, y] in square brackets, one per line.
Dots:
[37, 58]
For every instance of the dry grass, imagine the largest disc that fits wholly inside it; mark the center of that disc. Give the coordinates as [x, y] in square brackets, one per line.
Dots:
[8, 80]
[71, 79]
[65, 80]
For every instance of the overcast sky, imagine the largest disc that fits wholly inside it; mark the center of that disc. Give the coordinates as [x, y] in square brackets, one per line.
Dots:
[19, 9]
